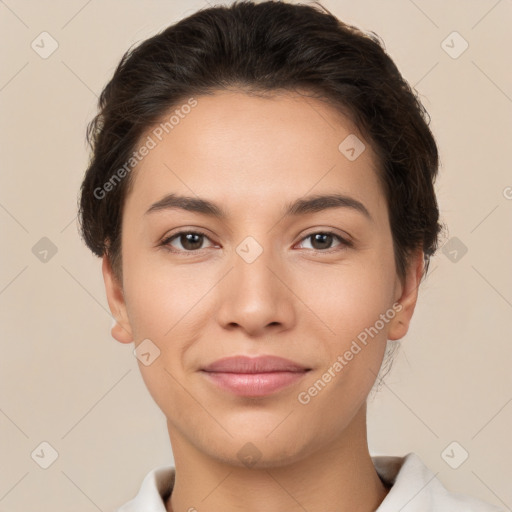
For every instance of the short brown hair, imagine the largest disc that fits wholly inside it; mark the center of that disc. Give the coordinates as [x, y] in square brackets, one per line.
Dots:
[265, 47]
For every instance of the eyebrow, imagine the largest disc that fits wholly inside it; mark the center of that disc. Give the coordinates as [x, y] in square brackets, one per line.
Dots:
[310, 204]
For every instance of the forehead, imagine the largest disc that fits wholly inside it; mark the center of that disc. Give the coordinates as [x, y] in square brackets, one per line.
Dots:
[249, 151]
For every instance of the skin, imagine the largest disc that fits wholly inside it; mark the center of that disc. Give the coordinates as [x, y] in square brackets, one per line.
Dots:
[299, 300]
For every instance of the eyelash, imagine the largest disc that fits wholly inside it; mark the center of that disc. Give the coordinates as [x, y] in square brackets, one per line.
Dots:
[344, 243]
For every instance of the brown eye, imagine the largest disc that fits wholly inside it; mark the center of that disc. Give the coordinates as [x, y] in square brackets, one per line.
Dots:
[322, 240]
[189, 241]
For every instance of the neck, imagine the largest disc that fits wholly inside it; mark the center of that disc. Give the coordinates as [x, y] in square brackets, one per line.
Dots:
[340, 476]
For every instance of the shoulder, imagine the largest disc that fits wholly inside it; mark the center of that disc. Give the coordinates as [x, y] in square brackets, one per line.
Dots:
[415, 488]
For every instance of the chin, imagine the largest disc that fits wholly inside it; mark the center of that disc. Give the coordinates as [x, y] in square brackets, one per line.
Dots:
[260, 451]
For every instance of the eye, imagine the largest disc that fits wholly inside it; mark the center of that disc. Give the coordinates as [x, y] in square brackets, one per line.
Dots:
[323, 240]
[189, 241]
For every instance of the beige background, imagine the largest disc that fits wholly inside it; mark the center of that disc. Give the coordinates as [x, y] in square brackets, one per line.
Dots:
[65, 381]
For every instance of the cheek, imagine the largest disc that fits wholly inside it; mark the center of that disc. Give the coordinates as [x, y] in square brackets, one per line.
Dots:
[350, 301]
[354, 302]
[160, 296]
[166, 304]
[347, 298]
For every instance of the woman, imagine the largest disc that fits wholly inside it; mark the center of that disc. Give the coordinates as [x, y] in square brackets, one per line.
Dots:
[261, 193]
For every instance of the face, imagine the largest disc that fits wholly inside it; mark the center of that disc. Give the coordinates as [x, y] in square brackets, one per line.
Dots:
[259, 270]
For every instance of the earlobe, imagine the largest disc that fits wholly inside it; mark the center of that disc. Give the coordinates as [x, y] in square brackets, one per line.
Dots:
[121, 329]
[407, 297]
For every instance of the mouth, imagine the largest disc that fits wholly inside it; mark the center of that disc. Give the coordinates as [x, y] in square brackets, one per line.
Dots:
[254, 376]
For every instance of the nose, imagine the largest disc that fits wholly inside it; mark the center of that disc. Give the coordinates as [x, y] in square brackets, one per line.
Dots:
[256, 297]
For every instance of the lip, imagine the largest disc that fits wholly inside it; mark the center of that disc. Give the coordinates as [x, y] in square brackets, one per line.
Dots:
[254, 376]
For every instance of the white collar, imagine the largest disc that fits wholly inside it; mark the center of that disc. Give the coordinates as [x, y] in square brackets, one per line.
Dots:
[414, 489]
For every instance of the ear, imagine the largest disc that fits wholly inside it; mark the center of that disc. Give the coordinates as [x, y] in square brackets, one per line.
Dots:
[406, 296]
[121, 329]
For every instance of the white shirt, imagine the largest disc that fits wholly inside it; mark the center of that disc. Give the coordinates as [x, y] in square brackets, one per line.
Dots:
[414, 489]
